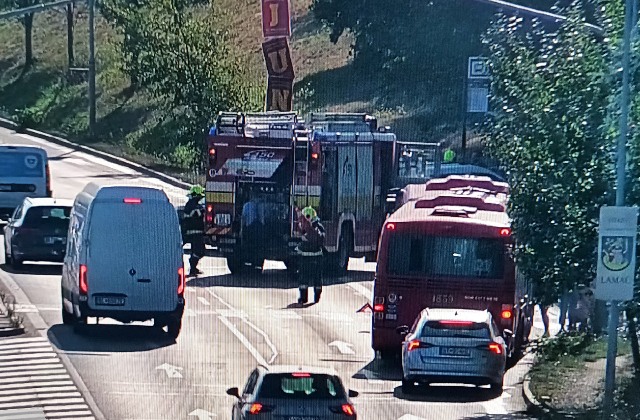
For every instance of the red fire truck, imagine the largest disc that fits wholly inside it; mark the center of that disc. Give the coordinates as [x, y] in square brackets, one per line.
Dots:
[263, 167]
[449, 245]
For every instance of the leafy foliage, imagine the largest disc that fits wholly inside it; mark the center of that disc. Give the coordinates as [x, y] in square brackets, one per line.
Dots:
[178, 53]
[551, 96]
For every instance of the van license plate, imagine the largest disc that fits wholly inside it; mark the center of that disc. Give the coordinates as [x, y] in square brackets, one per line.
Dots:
[109, 300]
[50, 240]
[455, 351]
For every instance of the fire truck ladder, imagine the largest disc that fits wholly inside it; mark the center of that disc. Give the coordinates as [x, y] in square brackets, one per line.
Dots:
[301, 140]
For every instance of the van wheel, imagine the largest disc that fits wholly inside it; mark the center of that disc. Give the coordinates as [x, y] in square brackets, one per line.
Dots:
[16, 263]
[79, 324]
[339, 261]
[174, 325]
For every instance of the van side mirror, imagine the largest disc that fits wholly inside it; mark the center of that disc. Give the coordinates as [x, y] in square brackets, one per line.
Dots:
[353, 394]
[234, 392]
[402, 330]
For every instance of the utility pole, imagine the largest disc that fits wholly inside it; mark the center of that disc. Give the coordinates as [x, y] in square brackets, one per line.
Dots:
[614, 309]
[92, 70]
[70, 35]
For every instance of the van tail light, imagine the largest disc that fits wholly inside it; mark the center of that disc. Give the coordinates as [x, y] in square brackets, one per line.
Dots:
[48, 176]
[346, 409]
[495, 348]
[181, 281]
[83, 282]
[209, 213]
[378, 307]
[132, 200]
[258, 408]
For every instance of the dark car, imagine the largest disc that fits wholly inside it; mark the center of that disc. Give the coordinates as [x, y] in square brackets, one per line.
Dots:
[37, 231]
[291, 393]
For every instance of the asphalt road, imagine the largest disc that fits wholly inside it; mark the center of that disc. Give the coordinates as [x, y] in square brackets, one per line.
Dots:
[230, 325]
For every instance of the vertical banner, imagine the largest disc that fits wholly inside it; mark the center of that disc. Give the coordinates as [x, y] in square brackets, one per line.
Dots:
[279, 94]
[278, 58]
[276, 20]
[615, 277]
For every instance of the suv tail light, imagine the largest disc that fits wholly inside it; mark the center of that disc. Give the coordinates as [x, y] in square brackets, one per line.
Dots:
[417, 344]
[346, 409]
[82, 281]
[181, 281]
[495, 348]
[48, 176]
[257, 408]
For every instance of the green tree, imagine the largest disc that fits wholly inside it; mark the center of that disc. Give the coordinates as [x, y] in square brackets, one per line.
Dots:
[550, 92]
[27, 23]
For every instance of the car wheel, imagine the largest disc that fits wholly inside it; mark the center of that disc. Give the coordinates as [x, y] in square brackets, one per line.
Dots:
[174, 325]
[16, 263]
[7, 258]
[496, 386]
[408, 387]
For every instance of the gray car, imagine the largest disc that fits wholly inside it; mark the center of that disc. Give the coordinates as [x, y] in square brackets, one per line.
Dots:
[293, 393]
[453, 346]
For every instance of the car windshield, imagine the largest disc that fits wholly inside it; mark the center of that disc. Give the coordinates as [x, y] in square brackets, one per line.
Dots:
[313, 386]
[455, 329]
[47, 216]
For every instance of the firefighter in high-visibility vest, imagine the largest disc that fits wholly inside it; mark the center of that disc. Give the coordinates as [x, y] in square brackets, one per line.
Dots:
[310, 253]
[193, 227]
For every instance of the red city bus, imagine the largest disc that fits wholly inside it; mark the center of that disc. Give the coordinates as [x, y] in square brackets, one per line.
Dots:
[448, 246]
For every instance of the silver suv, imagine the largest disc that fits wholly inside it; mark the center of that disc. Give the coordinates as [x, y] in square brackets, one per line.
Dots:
[293, 393]
[453, 346]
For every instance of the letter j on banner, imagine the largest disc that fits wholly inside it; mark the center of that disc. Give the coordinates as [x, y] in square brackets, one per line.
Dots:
[616, 253]
[276, 20]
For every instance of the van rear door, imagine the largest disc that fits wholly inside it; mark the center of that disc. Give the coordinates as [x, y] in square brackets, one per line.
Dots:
[23, 173]
[135, 249]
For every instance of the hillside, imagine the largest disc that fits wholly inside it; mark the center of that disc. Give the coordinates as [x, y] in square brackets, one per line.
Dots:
[419, 105]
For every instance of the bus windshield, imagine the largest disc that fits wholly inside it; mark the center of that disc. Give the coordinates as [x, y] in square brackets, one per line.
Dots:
[417, 255]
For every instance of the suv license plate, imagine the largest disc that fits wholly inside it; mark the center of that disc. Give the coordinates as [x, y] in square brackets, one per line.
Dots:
[301, 418]
[455, 351]
[110, 300]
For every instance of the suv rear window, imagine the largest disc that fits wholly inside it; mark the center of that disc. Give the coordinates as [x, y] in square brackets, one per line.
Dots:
[314, 386]
[455, 329]
[50, 216]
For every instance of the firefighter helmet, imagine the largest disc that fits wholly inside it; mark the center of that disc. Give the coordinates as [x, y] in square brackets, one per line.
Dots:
[309, 213]
[196, 190]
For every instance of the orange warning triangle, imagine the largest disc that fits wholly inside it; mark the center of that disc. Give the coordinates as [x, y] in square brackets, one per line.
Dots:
[366, 307]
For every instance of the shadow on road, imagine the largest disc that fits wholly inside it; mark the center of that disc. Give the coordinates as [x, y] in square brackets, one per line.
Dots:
[35, 269]
[108, 338]
[271, 279]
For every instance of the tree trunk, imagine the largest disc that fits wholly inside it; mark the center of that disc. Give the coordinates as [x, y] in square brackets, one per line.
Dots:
[28, 44]
[633, 337]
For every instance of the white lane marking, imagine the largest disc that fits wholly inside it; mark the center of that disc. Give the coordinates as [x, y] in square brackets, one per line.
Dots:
[249, 323]
[203, 301]
[13, 398]
[202, 414]
[364, 291]
[30, 371]
[4, 342]
[35, 413]
[495, 406]
[51, 407]
[170, 370]
[189, 312]
[28, 356]
[71, 415]
[410, 417]
[283, 314]
[31, 385]
[68, 406]
[344, 348]
[24, 345]
[39, 349]
[33, 378]
[254, 352]
[38, 390]
[31, 366]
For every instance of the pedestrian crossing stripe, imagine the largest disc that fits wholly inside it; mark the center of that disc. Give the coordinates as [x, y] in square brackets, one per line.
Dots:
[35, 385]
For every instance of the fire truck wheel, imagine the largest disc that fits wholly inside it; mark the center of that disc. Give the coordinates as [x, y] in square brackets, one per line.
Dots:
[235, 265]
[340, 260]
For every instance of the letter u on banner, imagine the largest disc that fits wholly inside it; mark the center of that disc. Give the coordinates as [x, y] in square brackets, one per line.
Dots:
[277, 57]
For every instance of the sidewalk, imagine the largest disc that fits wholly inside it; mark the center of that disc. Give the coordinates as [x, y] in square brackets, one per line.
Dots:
[10, 323]
[567, 380]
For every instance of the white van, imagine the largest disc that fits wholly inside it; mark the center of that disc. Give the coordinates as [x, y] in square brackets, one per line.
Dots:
[123, 258]
[24, 172]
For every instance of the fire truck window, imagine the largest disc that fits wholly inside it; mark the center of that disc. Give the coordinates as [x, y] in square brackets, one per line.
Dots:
[446, 256]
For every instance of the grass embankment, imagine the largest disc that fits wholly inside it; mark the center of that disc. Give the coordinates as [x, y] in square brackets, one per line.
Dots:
[420, 104]
[568, 377]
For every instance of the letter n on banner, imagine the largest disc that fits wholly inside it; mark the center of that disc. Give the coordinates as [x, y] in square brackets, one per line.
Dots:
[279, 94]
[278, 58]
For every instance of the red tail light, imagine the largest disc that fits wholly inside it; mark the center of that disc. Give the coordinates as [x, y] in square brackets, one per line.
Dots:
[346, 409]
[48, 176]
[181, 281]
[257, 408]
[413, 344]
[378, 307]
[454, 323]
[505, 232]
[209, 213]
[391, 226]
[495, 348]
[82, 281]
[301, 375]
[132, 200]
[507, 312]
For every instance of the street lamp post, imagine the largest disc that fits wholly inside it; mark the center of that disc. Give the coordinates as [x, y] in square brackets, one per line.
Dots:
[92, 70]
